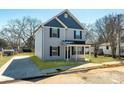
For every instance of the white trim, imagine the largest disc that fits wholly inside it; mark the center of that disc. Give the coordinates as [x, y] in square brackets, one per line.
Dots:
[76, 53]
[40, 26]
[74, 18]
[77, 45]
[64, 52]
[65, 28]
[61, 22]
[54, 17]
[49, 20]
[66, 10]
[67, 53]
[70, 51]
[54, 27]
[43, 45]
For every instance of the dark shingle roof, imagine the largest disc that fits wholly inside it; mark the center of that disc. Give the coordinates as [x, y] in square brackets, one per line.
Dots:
[54, 23]
[70, 21]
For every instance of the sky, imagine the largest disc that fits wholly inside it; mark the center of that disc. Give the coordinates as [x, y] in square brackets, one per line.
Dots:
[87, 16]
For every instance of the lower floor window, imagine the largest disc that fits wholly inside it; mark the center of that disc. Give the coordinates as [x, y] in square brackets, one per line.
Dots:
[54, 51]
[80, 50]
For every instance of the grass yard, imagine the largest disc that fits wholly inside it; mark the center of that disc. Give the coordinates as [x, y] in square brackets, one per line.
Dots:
[4, 59]
[52, 64]
[25, 54]
[7, 58]
[101, 59]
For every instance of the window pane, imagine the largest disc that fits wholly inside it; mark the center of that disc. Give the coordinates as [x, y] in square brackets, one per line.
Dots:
[77, 35]
[54, 32]
[54, 51]
[79, 50]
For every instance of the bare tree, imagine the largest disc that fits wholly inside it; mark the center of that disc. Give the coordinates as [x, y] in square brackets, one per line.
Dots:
[109, 28]
[92, 37]
[18, 32]
[120, 27]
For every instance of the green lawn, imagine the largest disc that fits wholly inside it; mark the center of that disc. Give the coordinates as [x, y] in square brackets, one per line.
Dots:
[4, 60]
[101, 59]
[52, 64]
[25, 54]
[7, 58]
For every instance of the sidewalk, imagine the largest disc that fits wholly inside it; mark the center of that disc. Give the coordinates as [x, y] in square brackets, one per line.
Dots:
[2, 69]
[91, 66]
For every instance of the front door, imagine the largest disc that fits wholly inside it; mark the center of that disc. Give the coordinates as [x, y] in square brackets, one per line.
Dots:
[67, 51]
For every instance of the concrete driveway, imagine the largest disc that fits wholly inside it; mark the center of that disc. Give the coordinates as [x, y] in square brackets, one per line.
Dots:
[21, 67]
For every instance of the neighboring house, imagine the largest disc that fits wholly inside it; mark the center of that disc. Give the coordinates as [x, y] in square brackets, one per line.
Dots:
[106, 48]
[61, 37]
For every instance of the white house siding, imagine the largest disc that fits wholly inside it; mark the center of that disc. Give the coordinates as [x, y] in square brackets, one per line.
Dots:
[42, 47]
[109, 51]
[49, 41]
[70, 34]
[105, 51]
[38, 43]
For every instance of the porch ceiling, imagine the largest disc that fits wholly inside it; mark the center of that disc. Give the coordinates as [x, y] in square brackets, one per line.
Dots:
[77, 42]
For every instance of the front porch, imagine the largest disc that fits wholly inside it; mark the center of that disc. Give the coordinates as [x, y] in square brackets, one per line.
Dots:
[76, 51]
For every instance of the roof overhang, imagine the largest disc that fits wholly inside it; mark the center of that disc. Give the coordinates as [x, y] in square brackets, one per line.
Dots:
[56, 17]
[77, 42]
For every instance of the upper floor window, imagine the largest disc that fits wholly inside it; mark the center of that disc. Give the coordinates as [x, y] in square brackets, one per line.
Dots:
[54, 32]
[77, 34]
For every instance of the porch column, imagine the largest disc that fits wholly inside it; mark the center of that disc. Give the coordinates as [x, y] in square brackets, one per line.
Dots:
[67, 53]
[76, 53]
[64, 52]
[70, 51]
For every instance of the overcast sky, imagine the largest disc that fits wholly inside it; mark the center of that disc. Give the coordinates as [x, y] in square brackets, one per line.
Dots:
[84, 15]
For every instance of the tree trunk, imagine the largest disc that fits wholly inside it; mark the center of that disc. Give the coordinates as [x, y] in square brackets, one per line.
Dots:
[113, 51]
[95, 51]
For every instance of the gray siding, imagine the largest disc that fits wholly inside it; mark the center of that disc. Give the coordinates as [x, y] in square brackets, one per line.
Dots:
[39, 43]
[65, 34]
[52, 42]
[43, 41]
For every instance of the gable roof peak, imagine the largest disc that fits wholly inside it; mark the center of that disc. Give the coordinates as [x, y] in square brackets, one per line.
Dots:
[70, 22]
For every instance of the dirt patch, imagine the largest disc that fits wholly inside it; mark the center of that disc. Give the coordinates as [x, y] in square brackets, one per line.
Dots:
[98, 76]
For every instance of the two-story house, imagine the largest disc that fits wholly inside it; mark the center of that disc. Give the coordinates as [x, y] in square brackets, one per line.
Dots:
[60, 38]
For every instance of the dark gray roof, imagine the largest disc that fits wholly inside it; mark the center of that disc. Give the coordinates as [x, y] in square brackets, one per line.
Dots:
[69, 21]
[54, 23]
[73, 42]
